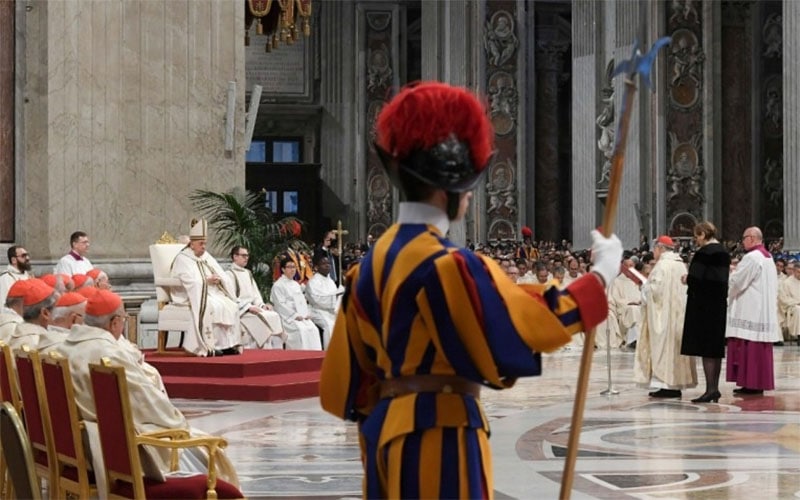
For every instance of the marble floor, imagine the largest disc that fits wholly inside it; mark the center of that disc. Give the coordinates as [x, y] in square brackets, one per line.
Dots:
[631, 446]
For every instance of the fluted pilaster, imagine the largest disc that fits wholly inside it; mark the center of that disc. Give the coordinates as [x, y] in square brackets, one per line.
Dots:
[791, 124]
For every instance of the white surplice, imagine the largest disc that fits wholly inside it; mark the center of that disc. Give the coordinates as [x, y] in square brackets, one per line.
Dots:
[26, 334]
[753, 299]
[215, 312]
[9, 320]
[264, 327]
[288, 300]
[789, 305]
[323, 300]
[69, 264]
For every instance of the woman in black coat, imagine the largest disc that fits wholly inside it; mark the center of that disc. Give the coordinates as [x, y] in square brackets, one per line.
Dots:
[707, 307]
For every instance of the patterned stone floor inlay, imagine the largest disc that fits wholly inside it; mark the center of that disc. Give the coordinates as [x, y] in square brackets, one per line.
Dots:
[631, 446]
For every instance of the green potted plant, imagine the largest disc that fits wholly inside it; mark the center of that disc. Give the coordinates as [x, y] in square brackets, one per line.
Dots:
[240, 217]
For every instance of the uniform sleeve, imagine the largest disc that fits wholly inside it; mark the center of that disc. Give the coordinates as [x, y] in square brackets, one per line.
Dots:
[490, 329]
[348, 385]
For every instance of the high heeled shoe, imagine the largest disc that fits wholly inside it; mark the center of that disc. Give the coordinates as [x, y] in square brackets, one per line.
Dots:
[709, 397]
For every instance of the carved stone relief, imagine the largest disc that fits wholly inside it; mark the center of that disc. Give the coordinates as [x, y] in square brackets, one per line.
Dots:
[501, 190]
[684, 11]
[772, 33]
[605, 121]
[379, 78]
[685, 175]
[773, 106]
[500, 44]
[685, 68]
[773, 181]
[499, 40]
[503, 100]
[379, 72]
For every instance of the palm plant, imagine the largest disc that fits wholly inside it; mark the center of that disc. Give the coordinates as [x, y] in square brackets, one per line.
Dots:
[240, 217]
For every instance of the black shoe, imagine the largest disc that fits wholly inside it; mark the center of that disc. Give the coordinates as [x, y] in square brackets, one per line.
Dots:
[217, 352]
[745, 390]
[779, 344]
[666, 393]
[709, 397]
[632, 346]
[230, 351]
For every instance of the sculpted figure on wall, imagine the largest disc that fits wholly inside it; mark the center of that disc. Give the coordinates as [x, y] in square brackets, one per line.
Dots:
[379, 71]
[773, 180]
[499, 39]
[683, 11]
[773, 36]
[685, 175]
[606, 124]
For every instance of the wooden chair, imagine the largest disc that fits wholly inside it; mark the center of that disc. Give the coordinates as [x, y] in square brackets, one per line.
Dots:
[60, 411]
[120, 445]
[9, 391]
[18, 454]
[37, 420]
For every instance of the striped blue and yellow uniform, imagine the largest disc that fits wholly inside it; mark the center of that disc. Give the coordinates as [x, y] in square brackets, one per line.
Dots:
[417, 304]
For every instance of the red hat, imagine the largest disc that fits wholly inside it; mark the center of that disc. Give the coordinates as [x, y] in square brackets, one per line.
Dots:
[87, 291]
[17, 290]
[52, 279]
[526, 232]
[70, 299]
[93, 273]
[666, 241]
[36, 291]
[79, 280]
[103, 302]
[437, 133]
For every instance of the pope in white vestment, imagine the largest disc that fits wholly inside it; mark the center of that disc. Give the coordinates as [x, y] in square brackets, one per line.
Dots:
[659, 363]
[789, 303]
[288, 300]
[262, 325]
[206, 288]
[323, 298]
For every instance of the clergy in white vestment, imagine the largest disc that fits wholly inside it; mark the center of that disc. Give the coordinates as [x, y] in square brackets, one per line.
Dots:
[69, 310]
[659, 364]
[99, 338]
[624, 308]
[19, 266]
[75, 262]
[206, 288]
[753, 324]
[11, 315]
[288, 300]
[323, 297]
[789, 303]
[261, 326]
[37, 310]
[573, 271]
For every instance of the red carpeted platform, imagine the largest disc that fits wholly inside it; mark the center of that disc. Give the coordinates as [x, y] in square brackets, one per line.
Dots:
[255, 375]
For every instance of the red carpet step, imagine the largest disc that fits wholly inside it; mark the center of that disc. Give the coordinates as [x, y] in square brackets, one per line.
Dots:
[255, 375]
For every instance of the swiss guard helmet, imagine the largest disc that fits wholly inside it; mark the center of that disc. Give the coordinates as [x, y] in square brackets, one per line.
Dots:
[435, 134]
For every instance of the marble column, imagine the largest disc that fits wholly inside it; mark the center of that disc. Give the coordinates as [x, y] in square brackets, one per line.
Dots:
[791, 125]
[448, 43]
[7, 163]
[549, 66]
[588, 64]
[338, 136]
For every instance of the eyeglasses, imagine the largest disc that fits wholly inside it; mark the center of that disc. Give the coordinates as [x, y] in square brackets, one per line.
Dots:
[23, 256]
[747, 236]
[123, 316]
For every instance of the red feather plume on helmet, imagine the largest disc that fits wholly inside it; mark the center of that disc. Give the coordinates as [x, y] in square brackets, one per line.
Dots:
[426, 116]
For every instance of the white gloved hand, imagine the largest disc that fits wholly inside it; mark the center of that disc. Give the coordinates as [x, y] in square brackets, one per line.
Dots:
[606, 256]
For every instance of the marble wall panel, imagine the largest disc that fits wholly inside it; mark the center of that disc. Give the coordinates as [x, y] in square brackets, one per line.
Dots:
[134, 98]
[7, 177]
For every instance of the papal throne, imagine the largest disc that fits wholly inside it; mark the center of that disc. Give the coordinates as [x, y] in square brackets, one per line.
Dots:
[171, 317]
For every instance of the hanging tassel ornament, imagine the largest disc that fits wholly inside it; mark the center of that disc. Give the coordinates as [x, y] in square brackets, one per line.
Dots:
[259, 27]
